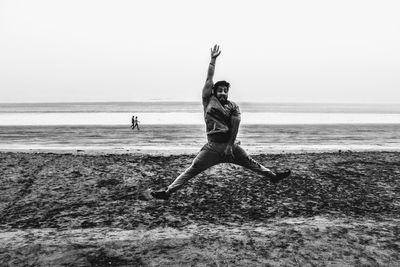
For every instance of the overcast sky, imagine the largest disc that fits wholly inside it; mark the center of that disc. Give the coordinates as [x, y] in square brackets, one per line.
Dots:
[273, 51]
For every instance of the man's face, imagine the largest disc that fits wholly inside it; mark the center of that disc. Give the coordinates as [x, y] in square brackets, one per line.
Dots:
[222, 93]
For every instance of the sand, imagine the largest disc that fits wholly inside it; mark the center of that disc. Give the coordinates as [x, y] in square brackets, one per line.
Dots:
[76, 209]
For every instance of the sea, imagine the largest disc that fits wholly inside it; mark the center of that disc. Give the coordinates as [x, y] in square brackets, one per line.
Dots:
[178, 127]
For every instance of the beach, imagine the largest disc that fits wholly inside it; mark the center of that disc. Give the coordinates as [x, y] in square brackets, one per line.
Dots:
[77, 209]
[104, 104]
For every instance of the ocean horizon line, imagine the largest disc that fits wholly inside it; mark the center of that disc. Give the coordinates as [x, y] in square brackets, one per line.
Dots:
[198, 101]
[193, 107]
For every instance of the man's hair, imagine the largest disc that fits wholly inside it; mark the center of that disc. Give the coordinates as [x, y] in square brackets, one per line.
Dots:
[220, 83]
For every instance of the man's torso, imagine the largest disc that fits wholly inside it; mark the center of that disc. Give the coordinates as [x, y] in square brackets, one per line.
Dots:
[217, 116]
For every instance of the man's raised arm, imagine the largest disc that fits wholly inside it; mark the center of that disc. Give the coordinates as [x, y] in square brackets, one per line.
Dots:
[207, 90]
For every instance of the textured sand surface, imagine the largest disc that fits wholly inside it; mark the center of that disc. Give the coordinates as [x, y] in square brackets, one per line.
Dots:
[86, 210]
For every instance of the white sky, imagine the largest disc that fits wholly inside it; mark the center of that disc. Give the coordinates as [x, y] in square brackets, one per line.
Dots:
[273, 51]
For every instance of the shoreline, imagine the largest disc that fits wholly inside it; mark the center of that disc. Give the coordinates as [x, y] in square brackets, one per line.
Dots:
[186, 151]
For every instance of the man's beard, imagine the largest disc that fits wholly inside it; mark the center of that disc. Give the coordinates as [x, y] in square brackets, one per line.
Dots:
[222, 99]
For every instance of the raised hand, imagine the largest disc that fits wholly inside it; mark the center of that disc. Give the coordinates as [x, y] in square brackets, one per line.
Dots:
[215, 51]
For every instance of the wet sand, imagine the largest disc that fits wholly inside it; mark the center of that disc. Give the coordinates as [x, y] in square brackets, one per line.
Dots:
[86, 210]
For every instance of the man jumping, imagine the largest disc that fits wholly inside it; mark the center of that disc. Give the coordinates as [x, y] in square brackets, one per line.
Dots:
[222, 118]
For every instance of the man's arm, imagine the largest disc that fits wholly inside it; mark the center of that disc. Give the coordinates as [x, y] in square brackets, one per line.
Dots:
[235, 122]
[207, 90]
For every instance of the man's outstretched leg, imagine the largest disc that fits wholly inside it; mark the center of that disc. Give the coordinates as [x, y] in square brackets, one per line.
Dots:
[243, 159]
[206, 158]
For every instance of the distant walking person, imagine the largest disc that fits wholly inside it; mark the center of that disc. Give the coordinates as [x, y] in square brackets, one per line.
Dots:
[135, 123]
[222, 118]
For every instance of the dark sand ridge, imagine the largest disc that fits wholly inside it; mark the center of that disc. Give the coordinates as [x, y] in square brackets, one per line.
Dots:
[337, 209]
